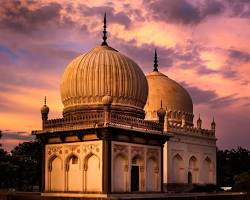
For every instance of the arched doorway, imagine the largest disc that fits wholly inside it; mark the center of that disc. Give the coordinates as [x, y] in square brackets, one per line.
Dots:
[135, 178]
[190, 178]
[135, 174]
[56, 182]
[193, 169]
[93, 176]
[73, 174]
[120, 173]
[152, 175]
[178, 168]
[208, 171]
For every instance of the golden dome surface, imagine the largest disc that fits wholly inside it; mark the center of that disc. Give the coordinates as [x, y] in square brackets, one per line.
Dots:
[174, 98]
[100, 72]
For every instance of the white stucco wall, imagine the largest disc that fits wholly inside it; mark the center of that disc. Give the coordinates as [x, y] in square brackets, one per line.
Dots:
[177, 154]
[74, 166]
[148, 158]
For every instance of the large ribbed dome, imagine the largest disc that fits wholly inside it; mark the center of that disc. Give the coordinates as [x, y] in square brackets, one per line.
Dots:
[103, 70]
[173, 96]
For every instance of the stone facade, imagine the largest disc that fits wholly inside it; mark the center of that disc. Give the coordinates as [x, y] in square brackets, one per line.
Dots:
[190, 153]
[104, 145]
[73, 167]
[190, 159]
[125, 157]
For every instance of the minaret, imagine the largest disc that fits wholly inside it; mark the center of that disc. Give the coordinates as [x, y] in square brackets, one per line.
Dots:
[199, 122]
[213, 125]
[155, 62]
[45, 111]
[104, 31]
[166, 124]
[161, 114]
[183, 121]
[107, 101]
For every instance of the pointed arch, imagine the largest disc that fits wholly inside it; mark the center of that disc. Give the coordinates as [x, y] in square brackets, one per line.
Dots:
[178, 168]
[55, 169]
[152, 174]
[92, 173]
[137, 173]
[194, 169]
[73, 173]
[120, 176]
[51, 159]
[208, 171]
[137, 159]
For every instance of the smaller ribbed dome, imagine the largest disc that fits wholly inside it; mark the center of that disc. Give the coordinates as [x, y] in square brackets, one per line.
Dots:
[174, 98]
[44, 109]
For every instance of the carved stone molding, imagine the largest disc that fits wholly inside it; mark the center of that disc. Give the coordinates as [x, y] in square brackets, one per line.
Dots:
[72, 148]
[137, 151]
[120, 149]
[54, 150]
[91, 148]
[153, 153]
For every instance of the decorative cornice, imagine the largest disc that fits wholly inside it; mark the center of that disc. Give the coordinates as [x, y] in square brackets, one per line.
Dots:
[97, 120]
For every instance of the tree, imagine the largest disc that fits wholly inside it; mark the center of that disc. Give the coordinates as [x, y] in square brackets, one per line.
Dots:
[21, 169]
[6, 167]
[230, 163]
[28, 157]
[242, 182]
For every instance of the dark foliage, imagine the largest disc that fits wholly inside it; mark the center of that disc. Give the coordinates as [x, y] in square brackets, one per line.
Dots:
[231, 163]
[22, 168]
[242, 182]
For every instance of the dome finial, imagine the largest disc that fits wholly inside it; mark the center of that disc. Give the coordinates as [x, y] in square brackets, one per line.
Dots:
[213, 125]
[155, 62]
[199, 122]
[45, 110]
[104, 31]
[45, 100]
[161, 103]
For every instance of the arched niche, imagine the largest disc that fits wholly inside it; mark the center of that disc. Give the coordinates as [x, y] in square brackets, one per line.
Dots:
[208, 171]
[137, 173]
[56, 178]
[194, 169]
[73, 173]
[152, 175]
[178, 168]
[120, 175]
[93, 174]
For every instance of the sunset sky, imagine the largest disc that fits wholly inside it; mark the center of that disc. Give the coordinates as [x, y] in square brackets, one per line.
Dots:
[202, 44]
